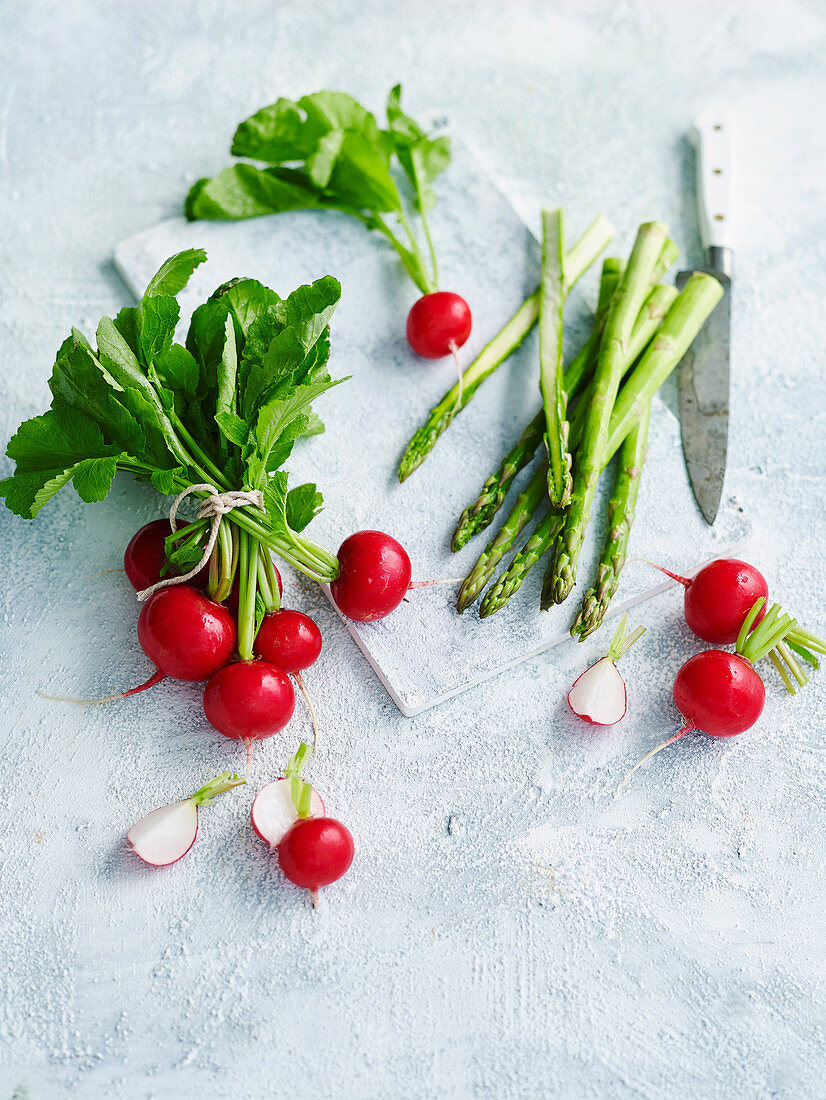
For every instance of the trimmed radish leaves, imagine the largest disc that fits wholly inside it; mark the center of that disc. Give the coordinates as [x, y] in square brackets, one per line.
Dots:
[326, 150]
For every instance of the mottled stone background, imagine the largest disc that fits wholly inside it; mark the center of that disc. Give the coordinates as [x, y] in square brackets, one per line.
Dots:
[509, 928]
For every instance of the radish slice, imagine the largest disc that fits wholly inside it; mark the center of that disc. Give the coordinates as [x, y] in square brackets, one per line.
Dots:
[165, 835]
[273, 813]
[598, 695]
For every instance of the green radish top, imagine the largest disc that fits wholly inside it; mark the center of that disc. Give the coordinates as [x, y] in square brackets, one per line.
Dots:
[326, 151]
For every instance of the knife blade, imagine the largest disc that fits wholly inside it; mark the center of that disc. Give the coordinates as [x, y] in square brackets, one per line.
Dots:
[703, 375]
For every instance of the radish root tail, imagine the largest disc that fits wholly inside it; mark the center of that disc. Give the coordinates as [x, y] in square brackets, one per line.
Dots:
[155, 678]
[687, 728]
[302, 687]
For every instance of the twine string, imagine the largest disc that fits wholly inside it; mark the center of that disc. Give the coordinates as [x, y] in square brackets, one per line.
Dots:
[212, 507]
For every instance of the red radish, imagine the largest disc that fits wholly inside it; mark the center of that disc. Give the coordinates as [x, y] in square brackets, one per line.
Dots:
[275, 808]
[145, 557]
[249, 700]
[288, 639]
[718, 598]
[374, 575]
[165, 835]
[720, 693]
[187, 636]
[599, 695]
[438, 324]
[315, 852]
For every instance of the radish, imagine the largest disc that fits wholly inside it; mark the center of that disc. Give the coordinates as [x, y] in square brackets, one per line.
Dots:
[315, 852]
[720, 693]
[165, 835]
[145, 557]
[186, 635]
[718, 598]
[274, 809]
[599, 695]
[288, 639]
[374, 576]
[438, 324]
[249, 700]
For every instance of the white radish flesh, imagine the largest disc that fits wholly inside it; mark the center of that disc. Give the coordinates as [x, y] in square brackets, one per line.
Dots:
[165, 834]
[273, 813]
[599, 694]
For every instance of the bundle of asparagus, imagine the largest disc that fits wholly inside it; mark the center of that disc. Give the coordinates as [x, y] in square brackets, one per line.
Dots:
[599, 407]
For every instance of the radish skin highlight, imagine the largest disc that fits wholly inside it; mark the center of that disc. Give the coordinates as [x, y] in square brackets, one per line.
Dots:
[599, 695]
[165, 835]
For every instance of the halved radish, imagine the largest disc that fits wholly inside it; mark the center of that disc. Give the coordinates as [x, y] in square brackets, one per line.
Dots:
[599, 695]
[273, 811]
[165, 835]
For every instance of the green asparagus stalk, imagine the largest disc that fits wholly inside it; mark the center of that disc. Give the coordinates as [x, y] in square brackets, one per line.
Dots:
[621, 510]
[524, 507]
[578, 260]
[477, 516]
[523, 561]
[625, 306]
[686, 316]
[551, 374]
[689, 310]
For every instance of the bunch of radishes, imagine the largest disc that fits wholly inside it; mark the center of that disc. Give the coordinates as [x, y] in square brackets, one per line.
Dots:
[716, 691]
[190, 637]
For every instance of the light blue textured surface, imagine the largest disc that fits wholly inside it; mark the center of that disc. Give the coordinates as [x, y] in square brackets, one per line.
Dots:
[509, 929]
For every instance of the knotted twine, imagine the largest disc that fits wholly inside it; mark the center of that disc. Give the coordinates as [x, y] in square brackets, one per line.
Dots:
[212, 507]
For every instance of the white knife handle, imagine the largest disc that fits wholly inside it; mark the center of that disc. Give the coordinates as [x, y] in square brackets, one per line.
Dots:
[712, 137]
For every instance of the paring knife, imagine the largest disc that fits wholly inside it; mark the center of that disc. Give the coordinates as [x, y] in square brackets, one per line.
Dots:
[703, 375]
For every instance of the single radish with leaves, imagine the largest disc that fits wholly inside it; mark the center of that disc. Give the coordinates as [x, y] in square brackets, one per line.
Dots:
[325, 151]
[274, 809]
[599, 695]
[165, 835]
[721, 693]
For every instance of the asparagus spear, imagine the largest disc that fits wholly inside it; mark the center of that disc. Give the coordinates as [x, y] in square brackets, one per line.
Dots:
[625, 306]
[477, 516]
[621, 509]
[578, 260]
[684, 319]
[524, 507]
[523, 561]
[551, 376]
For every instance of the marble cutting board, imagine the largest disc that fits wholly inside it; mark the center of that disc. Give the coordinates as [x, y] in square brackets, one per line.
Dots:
[425, 653]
